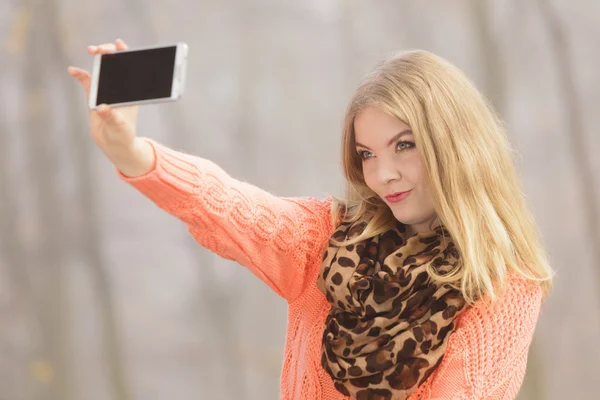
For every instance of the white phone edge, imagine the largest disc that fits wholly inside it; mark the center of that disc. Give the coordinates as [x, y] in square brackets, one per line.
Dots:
[179, 75]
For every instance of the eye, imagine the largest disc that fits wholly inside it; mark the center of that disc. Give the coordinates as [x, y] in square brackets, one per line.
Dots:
[404, 145]
[364, 154]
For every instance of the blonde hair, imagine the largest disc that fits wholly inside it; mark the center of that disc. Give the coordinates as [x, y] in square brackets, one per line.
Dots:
[468, 162]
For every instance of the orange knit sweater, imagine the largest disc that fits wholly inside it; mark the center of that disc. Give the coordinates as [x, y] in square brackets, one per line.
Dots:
[281, 241]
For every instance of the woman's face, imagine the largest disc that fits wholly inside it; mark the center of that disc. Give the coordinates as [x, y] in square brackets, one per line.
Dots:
[392, 164]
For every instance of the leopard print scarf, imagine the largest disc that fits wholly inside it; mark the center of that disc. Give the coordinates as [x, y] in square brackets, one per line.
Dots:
[389, 322]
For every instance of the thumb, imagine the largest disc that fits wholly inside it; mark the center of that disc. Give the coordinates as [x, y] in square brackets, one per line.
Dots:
[112, 118]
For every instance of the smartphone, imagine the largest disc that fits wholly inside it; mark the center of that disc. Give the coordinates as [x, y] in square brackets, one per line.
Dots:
[139, 76]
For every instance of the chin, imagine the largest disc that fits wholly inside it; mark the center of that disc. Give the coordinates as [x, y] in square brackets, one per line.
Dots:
[402, 218]
[406, 218]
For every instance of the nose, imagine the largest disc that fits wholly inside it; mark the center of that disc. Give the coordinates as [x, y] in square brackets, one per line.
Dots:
[388, 172]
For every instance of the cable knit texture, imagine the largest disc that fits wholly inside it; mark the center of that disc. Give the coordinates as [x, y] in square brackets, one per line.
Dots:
[282, 239]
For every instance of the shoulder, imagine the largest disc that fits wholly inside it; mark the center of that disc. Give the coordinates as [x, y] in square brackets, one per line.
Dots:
[515, 311]
[496, 337]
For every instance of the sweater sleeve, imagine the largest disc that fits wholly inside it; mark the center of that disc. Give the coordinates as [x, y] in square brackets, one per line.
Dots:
[277, 238]
[490, 348]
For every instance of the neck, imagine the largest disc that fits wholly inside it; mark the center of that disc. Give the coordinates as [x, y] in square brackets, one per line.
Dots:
[423, 227]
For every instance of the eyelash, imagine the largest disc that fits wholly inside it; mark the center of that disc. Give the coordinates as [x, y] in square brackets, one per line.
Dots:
[361, 153]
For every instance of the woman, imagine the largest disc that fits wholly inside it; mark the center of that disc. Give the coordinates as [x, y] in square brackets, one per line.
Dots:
[425, 282]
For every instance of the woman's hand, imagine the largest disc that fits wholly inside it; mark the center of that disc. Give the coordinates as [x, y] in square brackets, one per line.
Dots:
[114, 129]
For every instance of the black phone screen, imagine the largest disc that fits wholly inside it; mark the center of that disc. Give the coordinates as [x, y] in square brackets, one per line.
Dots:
[136, 75]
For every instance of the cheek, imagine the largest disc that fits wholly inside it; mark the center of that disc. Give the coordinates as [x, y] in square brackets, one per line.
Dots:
[423, 188]
[413, 172]
[425, 195]
[370, 176]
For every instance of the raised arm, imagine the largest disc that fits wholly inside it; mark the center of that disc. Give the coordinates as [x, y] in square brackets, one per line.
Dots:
[277, 238]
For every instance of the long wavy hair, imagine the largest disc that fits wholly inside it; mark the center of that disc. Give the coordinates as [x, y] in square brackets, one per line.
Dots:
[469, 164]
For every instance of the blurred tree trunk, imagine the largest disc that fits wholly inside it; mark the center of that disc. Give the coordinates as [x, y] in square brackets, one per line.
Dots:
[44, 45]
[490, 56]
[50, 254]
[87, 239]
[86, 235]
[574, 124]
[12, 252]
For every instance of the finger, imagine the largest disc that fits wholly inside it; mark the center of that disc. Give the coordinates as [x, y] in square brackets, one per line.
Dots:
[108, 48]
[111, 117]
[82, 76]
[121, 45]
[102, 49]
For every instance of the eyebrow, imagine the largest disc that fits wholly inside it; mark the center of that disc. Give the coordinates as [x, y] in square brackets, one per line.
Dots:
[392, 140]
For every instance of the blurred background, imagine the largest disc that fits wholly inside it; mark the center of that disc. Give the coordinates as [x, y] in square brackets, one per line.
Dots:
[105, 297]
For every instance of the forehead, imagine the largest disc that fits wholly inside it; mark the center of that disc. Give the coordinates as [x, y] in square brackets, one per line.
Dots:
[373, 125]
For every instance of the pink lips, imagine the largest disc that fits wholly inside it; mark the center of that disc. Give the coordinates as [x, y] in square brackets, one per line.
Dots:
[395, 197]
